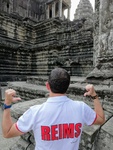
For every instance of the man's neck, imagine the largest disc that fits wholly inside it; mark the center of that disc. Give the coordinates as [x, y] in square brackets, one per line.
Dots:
[55, 94]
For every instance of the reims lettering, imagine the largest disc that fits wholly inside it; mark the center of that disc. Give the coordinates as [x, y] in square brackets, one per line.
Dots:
[60, 131]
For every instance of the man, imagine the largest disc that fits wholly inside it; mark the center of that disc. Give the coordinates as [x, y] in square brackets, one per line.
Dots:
[57, 124]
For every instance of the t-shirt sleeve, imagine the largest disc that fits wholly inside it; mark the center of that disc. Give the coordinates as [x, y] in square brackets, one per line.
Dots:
[25, 122]
[89, 115]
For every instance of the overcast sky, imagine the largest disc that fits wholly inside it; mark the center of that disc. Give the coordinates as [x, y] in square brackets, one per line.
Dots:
[74, 4]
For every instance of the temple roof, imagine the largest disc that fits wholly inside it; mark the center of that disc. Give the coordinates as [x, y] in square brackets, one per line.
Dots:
[84, 10]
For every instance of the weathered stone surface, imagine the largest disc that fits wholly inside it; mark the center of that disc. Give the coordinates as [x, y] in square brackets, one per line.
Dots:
[39, 80]
[105, 137]
[59, 44]
[108, 127]
[103, 39]
[88, 137]
[28, 91]
[96, 73]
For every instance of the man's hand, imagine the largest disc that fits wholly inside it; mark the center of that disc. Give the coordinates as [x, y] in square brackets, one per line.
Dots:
[90, 90]
[10, 96]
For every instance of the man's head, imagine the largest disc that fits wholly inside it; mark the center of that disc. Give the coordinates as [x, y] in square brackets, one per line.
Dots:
[59, 80]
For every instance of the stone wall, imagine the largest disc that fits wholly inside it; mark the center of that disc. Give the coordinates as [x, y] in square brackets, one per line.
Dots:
[16, 28]
[64, 44]
[36, 48]
[15, 48]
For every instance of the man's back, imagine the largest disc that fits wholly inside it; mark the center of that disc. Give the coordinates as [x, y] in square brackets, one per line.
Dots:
[57, 124]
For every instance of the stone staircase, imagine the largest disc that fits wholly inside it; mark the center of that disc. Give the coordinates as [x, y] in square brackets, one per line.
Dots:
[33, 91]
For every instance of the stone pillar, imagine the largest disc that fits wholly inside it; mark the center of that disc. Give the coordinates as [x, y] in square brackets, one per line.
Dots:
[60, 8]
[103, 46]
[28, 6]
[0, 4]
[68, 15]
[47, 12]
[53, 10]
[0, 93]
[15, 6]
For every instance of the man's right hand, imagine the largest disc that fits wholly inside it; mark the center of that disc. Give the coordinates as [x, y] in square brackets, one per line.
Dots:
[10, 96]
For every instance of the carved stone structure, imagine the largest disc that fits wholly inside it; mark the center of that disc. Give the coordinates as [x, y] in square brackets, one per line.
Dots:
[84, 10]
[31, 48]
[103, 39]
[36, 9]
[56, 8]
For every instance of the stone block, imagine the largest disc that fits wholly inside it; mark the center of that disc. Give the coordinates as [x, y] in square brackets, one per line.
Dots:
[88, 137]
[104, 140]
[28, 91]
[108, 127]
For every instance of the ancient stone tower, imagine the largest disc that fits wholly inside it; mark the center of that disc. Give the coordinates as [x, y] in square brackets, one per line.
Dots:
[84, 10]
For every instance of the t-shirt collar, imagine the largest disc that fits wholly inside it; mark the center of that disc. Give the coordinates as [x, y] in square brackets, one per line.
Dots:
[57, 99]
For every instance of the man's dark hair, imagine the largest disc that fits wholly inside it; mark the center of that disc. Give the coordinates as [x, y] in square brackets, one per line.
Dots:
[59, 80]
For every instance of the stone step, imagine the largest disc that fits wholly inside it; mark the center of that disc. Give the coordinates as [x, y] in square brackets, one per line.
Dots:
[28, 91]
[14, 69]
[9, 77]
[17, 72]
[76, 91]
[15, 60]
[40, 80]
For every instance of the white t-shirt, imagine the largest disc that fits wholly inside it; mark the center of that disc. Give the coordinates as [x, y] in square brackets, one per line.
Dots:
[57, 124]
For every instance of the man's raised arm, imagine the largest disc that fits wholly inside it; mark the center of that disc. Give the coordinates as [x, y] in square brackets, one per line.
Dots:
[8, 127]
[97, 105]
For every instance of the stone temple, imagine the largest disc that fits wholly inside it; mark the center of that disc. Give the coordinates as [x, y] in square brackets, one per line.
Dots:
[35, 37]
